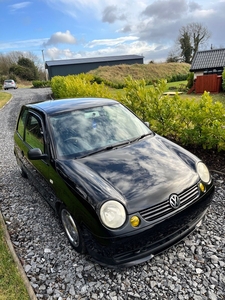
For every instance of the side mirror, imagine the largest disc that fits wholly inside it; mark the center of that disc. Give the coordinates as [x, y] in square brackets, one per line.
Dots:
[147, 124]
[36, 154]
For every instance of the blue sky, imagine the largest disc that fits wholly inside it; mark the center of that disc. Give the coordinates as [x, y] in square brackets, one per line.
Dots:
[65, 29]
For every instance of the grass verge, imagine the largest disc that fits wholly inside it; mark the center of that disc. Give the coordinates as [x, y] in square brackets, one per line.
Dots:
[4, 98]
[11, 284]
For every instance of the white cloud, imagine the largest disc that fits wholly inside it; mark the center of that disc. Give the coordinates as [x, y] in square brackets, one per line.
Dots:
[111, 42]
[203, 13]
[73, 8]
[17, 6]
[61, 38]
[154, 52]
[56, 53]
[100, 8]
[28, 44]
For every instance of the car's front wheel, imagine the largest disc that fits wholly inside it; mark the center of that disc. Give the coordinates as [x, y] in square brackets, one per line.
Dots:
[72, 230]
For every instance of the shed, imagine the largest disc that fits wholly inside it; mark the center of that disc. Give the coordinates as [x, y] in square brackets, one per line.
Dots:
[84, 65]
[208, 67]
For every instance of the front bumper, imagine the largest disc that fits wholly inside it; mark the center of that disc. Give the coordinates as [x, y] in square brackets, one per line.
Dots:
[142, 245]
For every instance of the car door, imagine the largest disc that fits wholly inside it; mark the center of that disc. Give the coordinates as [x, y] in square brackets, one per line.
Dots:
[32, 133]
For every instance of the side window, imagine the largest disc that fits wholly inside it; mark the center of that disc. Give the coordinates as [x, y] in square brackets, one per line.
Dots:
[21, 122]
[34, 133]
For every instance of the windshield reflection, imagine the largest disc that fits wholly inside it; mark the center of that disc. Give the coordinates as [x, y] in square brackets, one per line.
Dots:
[90, 130]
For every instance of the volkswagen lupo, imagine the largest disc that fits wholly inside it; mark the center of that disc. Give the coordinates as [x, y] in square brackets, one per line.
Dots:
[122, 192]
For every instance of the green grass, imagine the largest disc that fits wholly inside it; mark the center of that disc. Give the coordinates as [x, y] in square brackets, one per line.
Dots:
[150, 72]
[4, 98]
[219, 97]
[175, 85]
[11, 284]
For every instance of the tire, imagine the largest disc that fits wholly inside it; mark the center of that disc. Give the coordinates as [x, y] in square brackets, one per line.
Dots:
[23, 173]
[21, 170]
[72, 230]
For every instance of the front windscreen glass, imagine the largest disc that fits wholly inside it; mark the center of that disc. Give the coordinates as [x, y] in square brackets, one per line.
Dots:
[84, 132]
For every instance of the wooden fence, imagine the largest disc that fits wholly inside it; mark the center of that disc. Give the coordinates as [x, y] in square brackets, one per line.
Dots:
[210, 83]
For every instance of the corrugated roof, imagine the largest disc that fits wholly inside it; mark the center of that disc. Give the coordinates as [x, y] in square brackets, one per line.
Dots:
[208, 59]
[90, 60]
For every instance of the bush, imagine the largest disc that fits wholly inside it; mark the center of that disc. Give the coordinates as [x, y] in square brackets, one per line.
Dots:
[223, 80]
[188, 122]
[190, 80]
[41, 83]
[22, 72]
[178, 77]
[203, 123]
[82, 85]
[182, 88]
[136, 97]
[112, 84]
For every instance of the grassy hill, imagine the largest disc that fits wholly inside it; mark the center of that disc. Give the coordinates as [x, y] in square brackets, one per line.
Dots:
[149, 72]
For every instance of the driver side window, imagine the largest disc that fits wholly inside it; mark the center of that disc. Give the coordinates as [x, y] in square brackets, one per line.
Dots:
[34, 132]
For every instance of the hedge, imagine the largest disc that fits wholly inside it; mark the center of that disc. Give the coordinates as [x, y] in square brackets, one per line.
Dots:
[189, 122]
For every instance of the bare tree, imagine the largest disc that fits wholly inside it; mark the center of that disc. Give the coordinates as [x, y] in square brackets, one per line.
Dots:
[10, 59]
[174, 55]
[200, 35]
[5, 64]
[191, 38]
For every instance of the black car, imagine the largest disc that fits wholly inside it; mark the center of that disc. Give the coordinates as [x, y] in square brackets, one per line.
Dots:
[123, 193]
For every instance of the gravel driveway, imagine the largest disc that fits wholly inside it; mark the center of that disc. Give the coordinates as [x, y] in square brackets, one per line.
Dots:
[193, 269]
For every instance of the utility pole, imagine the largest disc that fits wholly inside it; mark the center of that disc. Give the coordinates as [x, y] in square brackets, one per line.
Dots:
[46, 77]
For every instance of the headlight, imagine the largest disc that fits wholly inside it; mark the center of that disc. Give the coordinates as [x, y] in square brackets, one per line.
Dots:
[112, 214]
[203, 172]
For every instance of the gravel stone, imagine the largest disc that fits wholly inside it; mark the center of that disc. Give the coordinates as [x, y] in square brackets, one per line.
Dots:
[193, 269]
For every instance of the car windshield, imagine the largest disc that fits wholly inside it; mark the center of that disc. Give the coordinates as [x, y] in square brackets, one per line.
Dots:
[84, 132]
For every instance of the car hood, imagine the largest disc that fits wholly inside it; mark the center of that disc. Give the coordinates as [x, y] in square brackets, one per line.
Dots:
[140, 174]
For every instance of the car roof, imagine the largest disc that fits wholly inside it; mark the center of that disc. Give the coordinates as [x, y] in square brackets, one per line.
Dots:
[52, 107]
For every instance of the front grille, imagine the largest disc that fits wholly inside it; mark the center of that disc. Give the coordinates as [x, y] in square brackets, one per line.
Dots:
[163, 209]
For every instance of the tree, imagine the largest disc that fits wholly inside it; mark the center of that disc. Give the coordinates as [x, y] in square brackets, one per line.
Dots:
[191, 38]
[25, 69]
[174, 54]
[5, 64]
[24, 65]
[186, 48]
[172, 57]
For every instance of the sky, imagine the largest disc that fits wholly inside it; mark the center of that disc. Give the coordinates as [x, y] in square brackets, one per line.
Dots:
[68, 29]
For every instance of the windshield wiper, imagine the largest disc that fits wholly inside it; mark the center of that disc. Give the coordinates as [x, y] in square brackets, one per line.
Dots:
[110, 147]
[114, 146]
[144, 135]
[140, 137]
